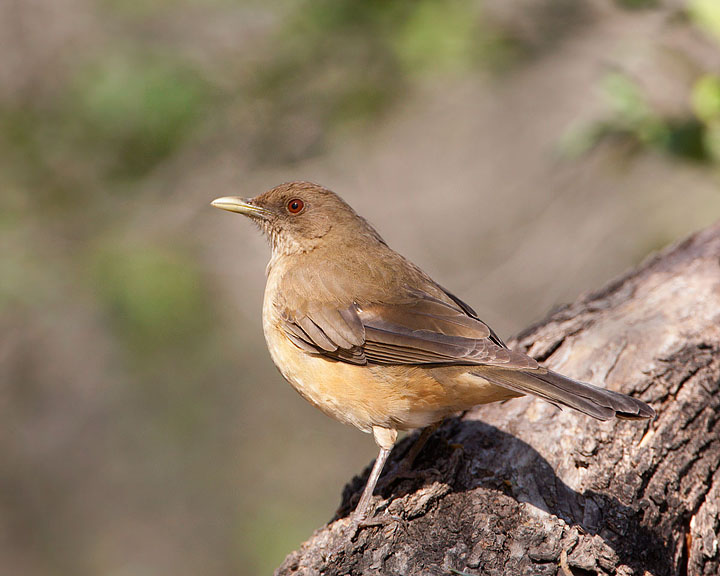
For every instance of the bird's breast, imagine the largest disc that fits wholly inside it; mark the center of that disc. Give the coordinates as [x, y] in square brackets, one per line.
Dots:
[399, 396]
[344, 392]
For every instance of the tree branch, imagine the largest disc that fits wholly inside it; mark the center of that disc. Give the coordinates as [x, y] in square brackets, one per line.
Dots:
[523, 488]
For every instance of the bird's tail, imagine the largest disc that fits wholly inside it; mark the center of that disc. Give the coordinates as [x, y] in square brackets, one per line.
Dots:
[563, 391]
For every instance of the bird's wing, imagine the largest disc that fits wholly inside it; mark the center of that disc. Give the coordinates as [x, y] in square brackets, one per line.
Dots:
[431, 331]
[421, 330]
[328, 330]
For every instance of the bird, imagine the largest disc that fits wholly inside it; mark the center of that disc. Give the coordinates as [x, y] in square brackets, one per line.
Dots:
[371, 340]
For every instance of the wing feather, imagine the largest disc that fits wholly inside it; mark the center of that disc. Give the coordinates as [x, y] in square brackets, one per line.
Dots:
[421, 330]
[316, 334]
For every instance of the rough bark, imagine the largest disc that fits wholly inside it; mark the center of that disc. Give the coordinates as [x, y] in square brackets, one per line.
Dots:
[523, 488]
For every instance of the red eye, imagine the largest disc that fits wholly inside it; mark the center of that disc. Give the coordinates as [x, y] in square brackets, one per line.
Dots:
[295, 206]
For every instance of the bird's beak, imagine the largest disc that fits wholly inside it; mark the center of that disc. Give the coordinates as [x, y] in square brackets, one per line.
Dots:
[241, 206]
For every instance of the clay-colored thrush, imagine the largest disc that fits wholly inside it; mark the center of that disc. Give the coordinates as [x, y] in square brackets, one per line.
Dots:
[371, 340]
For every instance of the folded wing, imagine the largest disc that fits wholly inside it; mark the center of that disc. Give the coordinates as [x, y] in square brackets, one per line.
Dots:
[422, 330]
[426, 330]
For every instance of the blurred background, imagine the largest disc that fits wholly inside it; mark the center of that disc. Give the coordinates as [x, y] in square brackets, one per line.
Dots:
[520, 152]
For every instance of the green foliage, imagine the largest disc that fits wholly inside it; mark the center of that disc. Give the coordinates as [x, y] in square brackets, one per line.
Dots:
[631, 118]
[706, 15]
[631, 112]
[348, 61]
[154, 296]
[108, 126]
[156, 304]
[637, 4]
[142, 9]
[694, 136]
[139, 108]
[705, 99]
[438, 35]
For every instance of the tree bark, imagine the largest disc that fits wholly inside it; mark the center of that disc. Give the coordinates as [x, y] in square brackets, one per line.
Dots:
[522, 488]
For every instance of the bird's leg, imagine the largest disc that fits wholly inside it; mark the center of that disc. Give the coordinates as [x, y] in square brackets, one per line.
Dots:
[359, 518]
[385, 439]
[361, 510]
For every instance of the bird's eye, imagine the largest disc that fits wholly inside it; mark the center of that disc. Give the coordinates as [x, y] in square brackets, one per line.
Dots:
[295, 206]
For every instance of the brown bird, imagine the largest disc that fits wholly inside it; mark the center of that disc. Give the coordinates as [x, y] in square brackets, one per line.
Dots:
[371, 340]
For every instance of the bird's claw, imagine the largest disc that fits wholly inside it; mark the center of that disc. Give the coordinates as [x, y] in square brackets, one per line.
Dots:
[349, 533]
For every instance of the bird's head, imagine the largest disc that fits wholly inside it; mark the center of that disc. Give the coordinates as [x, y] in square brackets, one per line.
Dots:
[297, 216]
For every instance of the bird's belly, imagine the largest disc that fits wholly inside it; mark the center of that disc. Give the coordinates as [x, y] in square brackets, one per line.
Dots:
[349, 393]
[399, 397]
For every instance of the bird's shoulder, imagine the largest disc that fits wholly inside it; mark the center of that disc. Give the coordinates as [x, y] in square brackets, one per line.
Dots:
[389, 313]
[348, 275]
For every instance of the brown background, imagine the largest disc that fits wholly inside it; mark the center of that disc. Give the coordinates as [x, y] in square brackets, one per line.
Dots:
[519, 155]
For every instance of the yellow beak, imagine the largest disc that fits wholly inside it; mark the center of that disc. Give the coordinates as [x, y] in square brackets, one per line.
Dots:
[240, 206]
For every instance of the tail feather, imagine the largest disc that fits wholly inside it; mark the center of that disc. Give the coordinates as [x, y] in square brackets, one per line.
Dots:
[563, 391]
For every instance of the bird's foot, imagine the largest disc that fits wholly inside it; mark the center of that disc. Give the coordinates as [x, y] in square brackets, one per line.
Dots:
[358, 524]
[350, 532]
